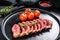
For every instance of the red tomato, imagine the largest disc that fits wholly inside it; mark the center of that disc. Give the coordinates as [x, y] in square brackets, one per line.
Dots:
[37, 13]
[30, 15]
[27, 10]
[23, 16]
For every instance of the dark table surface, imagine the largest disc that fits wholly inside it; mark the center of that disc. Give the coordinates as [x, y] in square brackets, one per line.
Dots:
[54, 11]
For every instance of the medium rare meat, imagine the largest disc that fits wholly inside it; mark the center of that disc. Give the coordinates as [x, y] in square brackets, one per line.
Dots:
[22, 33]
[49, 24]
[38, 27]
[27, 28]
[41, 24]
[16, 30]
[44, 22]
[33, 26]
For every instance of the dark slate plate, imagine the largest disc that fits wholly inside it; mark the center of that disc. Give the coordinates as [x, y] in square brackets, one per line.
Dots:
[48, 34]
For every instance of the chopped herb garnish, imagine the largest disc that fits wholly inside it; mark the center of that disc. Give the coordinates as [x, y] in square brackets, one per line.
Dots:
[22, 25]
[28, 24]
[37, 22]
[33, 23]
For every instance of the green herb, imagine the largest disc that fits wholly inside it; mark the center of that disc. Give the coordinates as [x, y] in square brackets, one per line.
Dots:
[6, 10]
[37, 22]
[33, 23]
[22, 25]
[28, 24]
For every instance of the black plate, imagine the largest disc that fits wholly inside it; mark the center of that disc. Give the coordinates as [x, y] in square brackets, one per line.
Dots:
[49, 34]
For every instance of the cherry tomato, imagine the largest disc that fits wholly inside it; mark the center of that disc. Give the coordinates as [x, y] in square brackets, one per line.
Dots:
[23, 16]
[27, 10]
[37, 13]
[30, 15]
